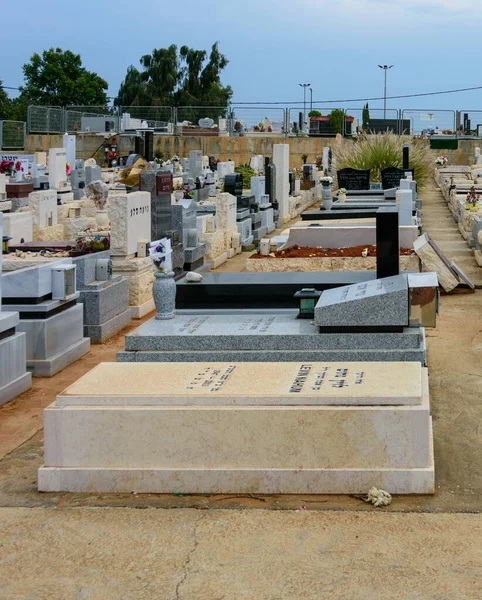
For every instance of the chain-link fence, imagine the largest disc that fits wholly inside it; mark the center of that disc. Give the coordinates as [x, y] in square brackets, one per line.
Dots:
[258, 119]
[376, 120]
[157, 117]
[469, 123]
[12, 135]
[45, 119]
[427, 122]
[98, 119]
[188, 119]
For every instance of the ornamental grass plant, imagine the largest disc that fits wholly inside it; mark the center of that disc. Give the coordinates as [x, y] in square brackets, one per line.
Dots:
[378, 151]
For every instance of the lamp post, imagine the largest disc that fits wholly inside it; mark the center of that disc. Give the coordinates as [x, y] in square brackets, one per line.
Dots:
[311, 99]
[304, 86]
[385, 68]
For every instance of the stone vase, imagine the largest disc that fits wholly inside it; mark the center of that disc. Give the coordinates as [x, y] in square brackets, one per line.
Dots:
[164, 294]
[342, 198]
[178, 195]
[102, 219]
[327, 197]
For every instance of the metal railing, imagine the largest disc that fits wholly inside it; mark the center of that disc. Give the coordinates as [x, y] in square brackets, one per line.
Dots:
[12, 135]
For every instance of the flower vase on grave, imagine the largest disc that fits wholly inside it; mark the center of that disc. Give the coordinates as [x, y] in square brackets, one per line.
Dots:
[342, 198]
[102, 219]
[164, 294]
[327, 197]
[178, 195]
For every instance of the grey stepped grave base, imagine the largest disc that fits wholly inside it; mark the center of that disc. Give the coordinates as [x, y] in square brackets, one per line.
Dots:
[248, 336]
[98, 334]
[15, 387]
[14, 379]
[54, 364]
[106, 308]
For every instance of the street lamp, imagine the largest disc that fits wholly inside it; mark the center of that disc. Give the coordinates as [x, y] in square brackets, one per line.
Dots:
[304, 86]
[385, 68]
[311, 99]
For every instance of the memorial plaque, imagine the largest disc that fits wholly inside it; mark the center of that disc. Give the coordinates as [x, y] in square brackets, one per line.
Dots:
[164, 183]
[388, 242]
[250, 384]
[391, 177]
[373, 304]
[354, 179]
[233, 184]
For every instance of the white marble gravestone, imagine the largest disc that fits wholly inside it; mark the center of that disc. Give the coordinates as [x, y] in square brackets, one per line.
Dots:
[57, 168]
[43, 206]
[69, 144]
[258, 188]
[281, 160]
[130, 218]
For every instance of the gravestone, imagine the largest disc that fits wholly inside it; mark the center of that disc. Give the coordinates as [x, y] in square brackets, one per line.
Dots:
[281, 159]
[406, 156]
[388, 242]
[365, 306]
[130, 219]
[353, 179]
[149, 146]
[270, 183]
[92, 174]
[258, 186]
[159, 185]
[195, 163]
[57, 168]
[233, 184]
[69, 144]
[391, 177]
[43, 206]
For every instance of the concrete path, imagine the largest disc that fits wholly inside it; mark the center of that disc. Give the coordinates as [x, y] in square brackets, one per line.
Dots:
[125, 554]
[439, 223]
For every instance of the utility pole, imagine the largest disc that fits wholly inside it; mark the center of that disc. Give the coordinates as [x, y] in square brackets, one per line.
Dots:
[311, 99]
[385, 68]
[304, 86]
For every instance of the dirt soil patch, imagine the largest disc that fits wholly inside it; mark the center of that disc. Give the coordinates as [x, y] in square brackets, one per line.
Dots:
[307, 252]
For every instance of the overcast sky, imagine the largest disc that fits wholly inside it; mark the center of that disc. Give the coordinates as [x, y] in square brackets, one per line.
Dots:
[272, 45]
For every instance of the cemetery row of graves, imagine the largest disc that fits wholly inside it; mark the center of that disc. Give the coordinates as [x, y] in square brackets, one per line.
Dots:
[304, 373]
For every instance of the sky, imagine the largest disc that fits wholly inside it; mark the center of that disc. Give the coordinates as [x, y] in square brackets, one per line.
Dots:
[274, 45]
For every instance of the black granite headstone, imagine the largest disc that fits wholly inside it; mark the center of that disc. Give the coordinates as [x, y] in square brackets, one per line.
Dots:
[406, 156]
[149, 146]
[354, 179]
[270, 182]
[233, 184]
[139, 145]
[391, 177]
[388, 242]
[160, 187]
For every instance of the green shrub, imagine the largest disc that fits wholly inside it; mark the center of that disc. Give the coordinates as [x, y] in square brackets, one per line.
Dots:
[247, 172]
[379, 151]
[314, 113]
[337, 117]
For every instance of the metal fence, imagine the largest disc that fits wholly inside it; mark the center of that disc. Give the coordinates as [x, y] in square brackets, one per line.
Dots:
[258, 119]
[240, 119]
[12, 135]
[429, 122]
[45, 119]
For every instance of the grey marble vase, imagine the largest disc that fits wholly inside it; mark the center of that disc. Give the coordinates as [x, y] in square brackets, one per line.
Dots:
[326, 194]
[164, 293]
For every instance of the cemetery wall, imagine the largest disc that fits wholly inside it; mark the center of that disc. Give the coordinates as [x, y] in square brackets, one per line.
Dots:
[239, 149]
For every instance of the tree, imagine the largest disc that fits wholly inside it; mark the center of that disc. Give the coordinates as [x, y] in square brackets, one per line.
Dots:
[57, 78]
[314, 113]
[337, 116]
[366, 117]
[172, 78]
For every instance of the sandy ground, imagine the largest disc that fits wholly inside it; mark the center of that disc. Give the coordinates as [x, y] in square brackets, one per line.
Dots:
[84, 546]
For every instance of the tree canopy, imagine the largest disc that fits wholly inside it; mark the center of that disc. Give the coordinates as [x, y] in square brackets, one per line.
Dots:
[169, 77]
[57, 78]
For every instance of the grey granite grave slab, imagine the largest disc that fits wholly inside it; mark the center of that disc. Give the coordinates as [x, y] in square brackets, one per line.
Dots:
[379, 303]
[252, 331]
[98, 334]
[260, 233]
[14, 379]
